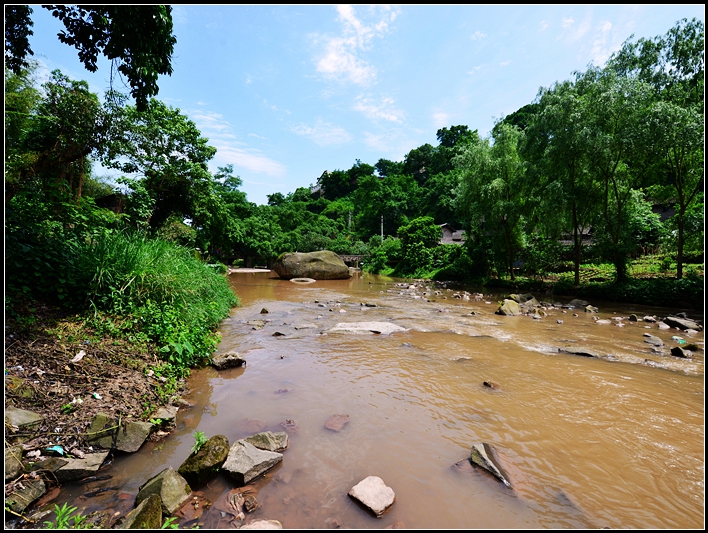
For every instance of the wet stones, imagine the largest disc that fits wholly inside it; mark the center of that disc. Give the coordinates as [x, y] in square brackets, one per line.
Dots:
[382, 328]
[373, 494]
[682, 323]
[13, 462]
[75, 469]
[23, 494]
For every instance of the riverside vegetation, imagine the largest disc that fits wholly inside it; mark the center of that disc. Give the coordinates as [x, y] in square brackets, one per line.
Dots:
[559, 198]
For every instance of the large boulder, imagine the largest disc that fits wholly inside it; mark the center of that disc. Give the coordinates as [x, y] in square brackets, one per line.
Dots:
[200, 466]
[316, 265]
[509, 308]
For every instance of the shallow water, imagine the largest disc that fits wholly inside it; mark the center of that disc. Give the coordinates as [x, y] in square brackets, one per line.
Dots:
[616, 441]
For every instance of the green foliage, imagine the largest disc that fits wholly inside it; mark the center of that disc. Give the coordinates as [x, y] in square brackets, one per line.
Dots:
[200, 439]
[66, 519]
[170, 523]
[418, 239]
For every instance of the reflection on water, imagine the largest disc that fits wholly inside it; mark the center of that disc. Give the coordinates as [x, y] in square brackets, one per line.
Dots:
[615, 441]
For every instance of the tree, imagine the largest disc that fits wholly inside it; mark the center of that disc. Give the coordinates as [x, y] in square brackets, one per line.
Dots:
[619, 156]
[678, 138]
[137, 39]
[556, 144]
[51, 139]
[165, 149]
[494, 192]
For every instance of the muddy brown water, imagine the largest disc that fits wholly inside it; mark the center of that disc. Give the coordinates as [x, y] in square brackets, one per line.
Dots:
[616, 441]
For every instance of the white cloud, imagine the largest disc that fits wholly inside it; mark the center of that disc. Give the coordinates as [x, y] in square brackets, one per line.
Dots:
[441, 119]
[257, 136]
[543, 25]
[478, 36]
[323, 133]
[230, 151]
[505, 63]
[179, 15]
[476, 69]
[339, 56]
[567, 22]
[394, 144]
[601, 49]
[384, 110]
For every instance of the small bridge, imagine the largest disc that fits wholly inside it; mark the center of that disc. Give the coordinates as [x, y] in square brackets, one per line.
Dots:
[356, 259]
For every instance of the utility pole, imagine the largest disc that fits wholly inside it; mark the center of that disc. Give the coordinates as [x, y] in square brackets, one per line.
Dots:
[382, 228]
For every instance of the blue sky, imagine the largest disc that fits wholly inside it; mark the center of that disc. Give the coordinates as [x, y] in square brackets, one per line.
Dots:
[286, 92]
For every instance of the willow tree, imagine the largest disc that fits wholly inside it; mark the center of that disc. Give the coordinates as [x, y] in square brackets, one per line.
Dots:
[494, 193]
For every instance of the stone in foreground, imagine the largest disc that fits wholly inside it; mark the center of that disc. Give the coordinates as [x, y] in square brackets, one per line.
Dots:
[129, 437]
[682, 323]
[383, 328]
[13, 462]
[24, 494]
[245, 462]
[172, 488]
[482, 455]
[263, 524]
[373, 493]
[201, 466]
[316, 265]
[147, 515]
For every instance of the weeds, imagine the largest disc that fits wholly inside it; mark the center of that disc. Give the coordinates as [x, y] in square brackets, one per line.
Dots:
[200, 440]
[65, 519]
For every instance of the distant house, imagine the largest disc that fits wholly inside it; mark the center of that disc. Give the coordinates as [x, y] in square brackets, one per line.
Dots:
[450, 235]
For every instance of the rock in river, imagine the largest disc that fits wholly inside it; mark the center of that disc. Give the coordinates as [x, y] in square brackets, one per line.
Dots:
[373, 493]
[482, 455]
[245, 462]
[383, 328]
[200, 466]
[316, 265]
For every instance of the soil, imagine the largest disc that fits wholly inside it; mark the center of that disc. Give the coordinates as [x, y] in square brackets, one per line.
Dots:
[111, 377]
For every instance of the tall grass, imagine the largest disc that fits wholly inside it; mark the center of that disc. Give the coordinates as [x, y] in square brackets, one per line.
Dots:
[168, 296]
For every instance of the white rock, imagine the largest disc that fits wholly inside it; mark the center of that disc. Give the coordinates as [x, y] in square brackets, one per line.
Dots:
[373, 493]
[383, 328]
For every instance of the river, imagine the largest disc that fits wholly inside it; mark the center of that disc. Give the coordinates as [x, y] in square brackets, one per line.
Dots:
[609, 442]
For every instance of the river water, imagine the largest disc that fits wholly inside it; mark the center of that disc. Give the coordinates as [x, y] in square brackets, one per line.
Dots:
[615, 442]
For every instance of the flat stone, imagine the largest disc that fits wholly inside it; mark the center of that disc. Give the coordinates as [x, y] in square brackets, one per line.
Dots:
[167, 415]
[24, 495]
[482, 455]
[337, 422]
[373, 493]
[579, 350]
[383, 328]
[25, 420]
[662, 325]
[13, 462]
[227, 360]
[682, 323]
[653, 340]
[147, 515]
[80, 468]
[172, 488]
[273, 442]
[263, 524]
[245, 462]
